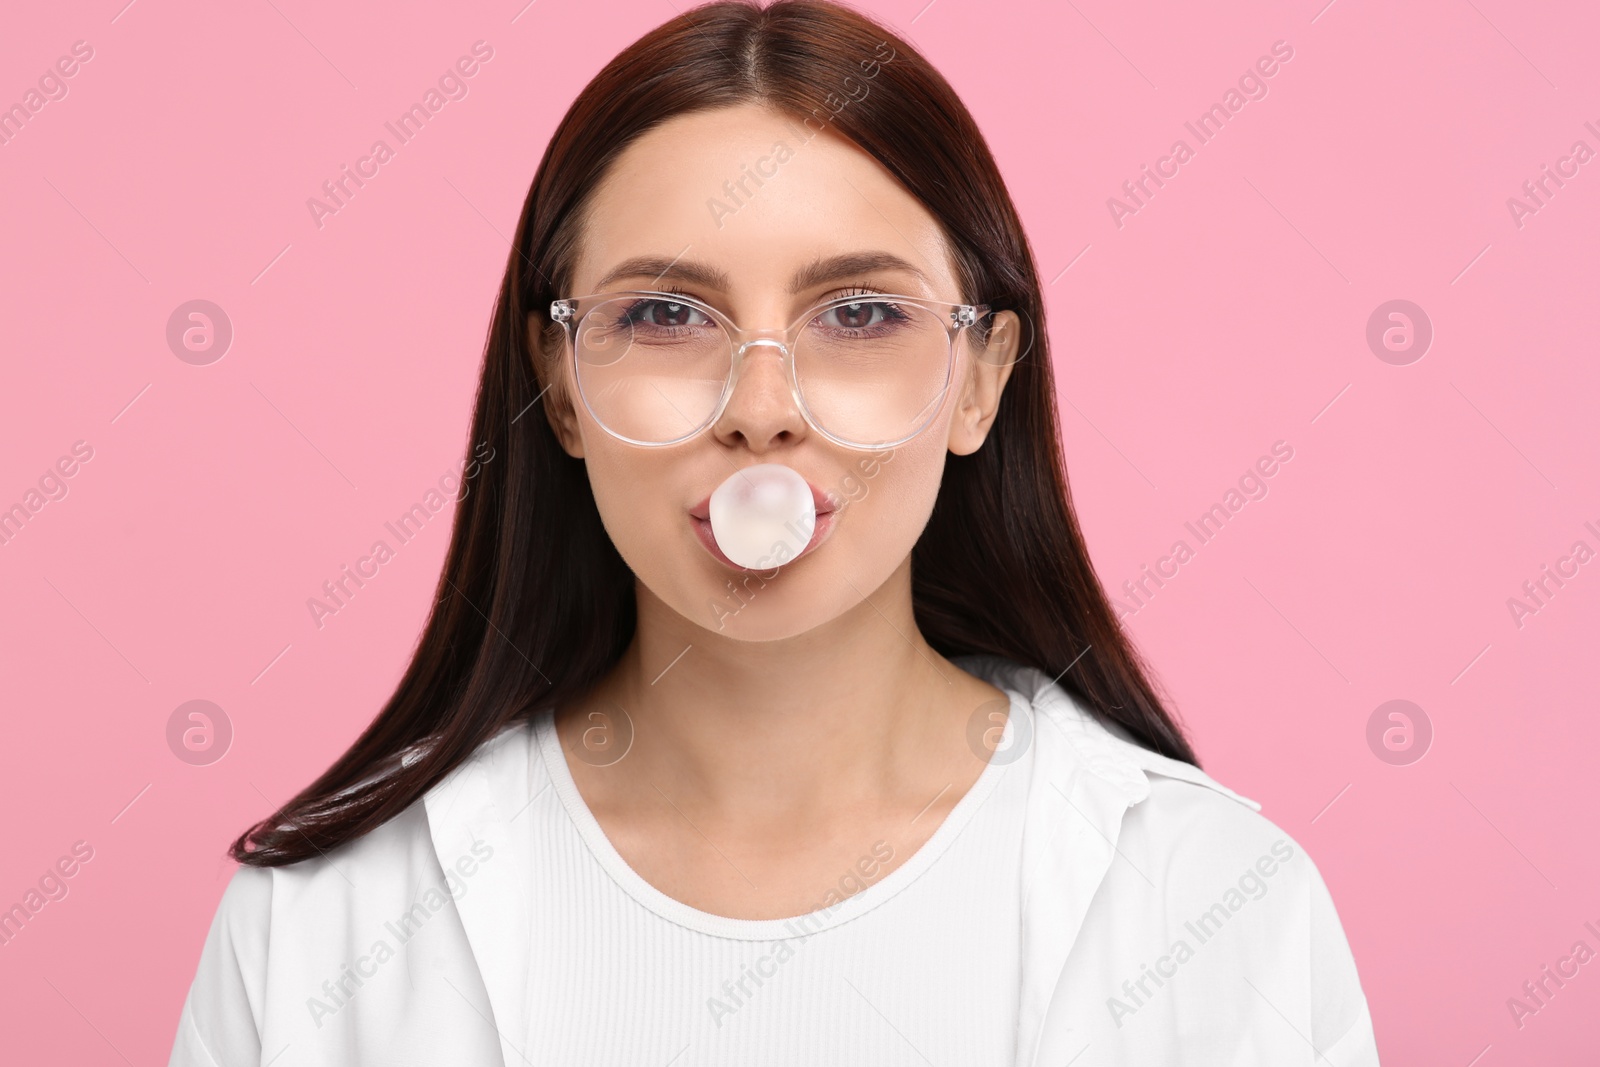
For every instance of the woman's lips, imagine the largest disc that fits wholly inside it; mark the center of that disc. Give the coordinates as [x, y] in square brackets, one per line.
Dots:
[819, 533]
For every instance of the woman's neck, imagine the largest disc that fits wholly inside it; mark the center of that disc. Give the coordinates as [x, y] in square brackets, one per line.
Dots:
[858, 714]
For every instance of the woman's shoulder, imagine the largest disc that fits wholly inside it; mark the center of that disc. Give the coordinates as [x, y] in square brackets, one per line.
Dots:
[291, 947]
[1172, 807]
[1219, 879]
[1201, 834]
[1190, 830]
[393, 854]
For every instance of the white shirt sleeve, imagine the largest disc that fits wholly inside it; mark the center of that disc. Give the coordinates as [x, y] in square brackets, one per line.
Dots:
[1341, 1023]
[221, 1021]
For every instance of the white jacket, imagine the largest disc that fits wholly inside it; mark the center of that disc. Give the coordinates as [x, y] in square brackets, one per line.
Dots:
[1164, 921]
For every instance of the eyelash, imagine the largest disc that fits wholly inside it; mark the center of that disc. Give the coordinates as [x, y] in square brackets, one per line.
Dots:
[860, 290]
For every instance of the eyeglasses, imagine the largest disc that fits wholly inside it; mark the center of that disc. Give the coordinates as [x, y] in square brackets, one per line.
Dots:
[867, 371]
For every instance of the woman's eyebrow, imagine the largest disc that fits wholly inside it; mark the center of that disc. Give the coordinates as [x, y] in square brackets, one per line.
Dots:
[659, 267]
[851, 264]
[817, 272]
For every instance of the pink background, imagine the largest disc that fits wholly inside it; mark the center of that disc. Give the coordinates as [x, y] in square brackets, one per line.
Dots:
[1228, 313]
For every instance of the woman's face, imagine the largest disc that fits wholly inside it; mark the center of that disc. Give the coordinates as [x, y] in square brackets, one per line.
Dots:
[668, 197]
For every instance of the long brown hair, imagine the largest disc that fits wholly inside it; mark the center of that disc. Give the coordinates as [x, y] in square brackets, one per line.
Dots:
[534, 604]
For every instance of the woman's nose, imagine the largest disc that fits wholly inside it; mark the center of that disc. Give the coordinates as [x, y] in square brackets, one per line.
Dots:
[762, 408]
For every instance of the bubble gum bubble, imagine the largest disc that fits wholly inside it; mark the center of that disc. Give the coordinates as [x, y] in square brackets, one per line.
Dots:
[763, 515]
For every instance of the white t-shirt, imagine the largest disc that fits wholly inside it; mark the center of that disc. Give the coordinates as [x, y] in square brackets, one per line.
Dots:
[919, 966]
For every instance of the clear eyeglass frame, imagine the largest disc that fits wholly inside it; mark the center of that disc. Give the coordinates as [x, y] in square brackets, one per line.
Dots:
[568, 312]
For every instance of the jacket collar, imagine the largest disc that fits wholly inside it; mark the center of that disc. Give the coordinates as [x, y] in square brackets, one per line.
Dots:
[1085, 777]
[1081, 784]
[485, 800]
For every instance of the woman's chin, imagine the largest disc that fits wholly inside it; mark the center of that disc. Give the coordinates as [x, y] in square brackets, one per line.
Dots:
[763, 613]
[745, 606]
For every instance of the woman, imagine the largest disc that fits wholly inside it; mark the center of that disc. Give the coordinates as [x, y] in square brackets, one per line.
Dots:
[905, 795]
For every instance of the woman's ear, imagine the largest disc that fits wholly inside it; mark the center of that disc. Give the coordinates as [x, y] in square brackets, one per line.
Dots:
[555, 398]
[986, 378]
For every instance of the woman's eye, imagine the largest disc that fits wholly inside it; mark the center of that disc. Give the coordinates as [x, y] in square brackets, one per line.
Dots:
[856, 316]
[665, 313]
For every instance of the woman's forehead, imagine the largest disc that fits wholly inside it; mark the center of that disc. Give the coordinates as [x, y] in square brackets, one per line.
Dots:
[758, 197]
